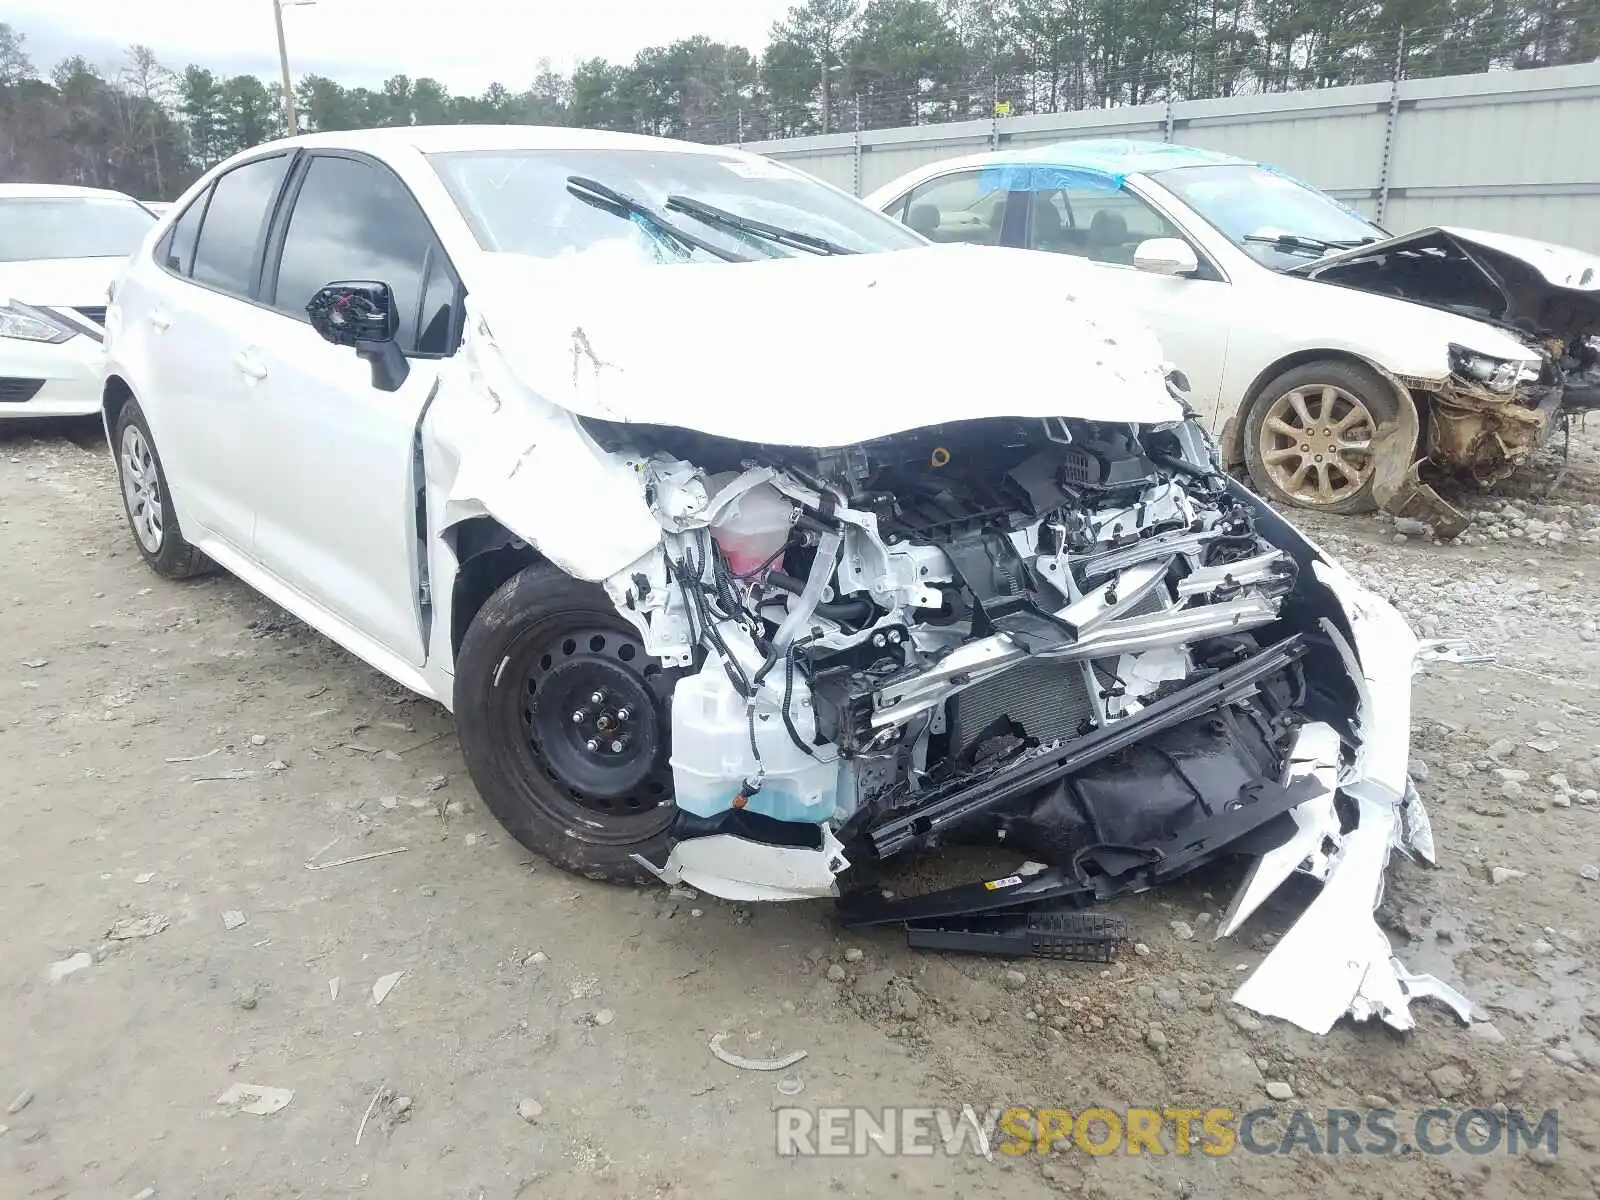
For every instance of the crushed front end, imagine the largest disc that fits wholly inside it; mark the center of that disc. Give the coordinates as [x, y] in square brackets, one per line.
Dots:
[1076, 640]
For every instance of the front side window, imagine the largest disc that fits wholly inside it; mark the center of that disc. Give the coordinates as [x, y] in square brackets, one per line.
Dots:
[354, 221]
[34, 229]
[957, 208]
[228, 252]
[1073, 211]
[517, 202]
[1277, 220]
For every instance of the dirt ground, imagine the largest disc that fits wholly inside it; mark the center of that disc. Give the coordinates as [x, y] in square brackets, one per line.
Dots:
[175, 757]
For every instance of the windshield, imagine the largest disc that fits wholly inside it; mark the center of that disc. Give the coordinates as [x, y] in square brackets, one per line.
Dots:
[38, 228]
[1253, 207]
[517, 201]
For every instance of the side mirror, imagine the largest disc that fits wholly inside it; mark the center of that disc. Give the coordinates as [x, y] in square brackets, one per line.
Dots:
[1166, 256]
[362, 315]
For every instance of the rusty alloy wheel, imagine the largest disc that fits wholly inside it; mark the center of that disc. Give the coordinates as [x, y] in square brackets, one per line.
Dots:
[1315, 444]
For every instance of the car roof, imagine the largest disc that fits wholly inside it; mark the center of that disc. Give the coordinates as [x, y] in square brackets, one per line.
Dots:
[438, 139]
[1112, 158]
[55, 191]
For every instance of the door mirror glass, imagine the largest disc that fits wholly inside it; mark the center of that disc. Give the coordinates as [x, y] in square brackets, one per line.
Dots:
[348, 314]
[1165, 256]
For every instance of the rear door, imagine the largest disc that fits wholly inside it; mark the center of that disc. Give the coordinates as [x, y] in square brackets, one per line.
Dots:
[195, 314]
[336, 492]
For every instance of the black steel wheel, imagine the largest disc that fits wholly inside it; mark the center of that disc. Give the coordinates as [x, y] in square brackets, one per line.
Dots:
[565, 725]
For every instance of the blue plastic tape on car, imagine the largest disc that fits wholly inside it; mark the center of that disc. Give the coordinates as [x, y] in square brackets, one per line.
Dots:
[1026, 177]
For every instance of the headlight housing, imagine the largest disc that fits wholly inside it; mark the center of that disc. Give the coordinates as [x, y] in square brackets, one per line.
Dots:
[1496, 374]
[29, 324]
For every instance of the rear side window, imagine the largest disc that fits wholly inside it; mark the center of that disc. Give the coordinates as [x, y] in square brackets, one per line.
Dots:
[228, 250]
[177, 248]
[353, 220]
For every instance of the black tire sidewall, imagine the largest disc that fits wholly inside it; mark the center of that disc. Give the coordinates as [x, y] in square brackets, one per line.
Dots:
[532, 807]
[1361, 381]
[177, 558]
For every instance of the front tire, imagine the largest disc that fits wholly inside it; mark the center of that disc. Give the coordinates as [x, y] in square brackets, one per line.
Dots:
[1308, 436]
[147, 501]
[564, 723]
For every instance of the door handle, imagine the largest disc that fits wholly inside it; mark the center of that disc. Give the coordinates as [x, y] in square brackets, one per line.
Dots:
[158, 317]
[249, 366]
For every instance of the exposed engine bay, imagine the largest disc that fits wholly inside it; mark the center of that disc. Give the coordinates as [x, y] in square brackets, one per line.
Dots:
[1077, 640]
[1524, 287]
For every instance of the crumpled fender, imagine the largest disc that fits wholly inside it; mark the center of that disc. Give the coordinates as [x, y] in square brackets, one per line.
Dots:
[1335, 960]
[501, 450]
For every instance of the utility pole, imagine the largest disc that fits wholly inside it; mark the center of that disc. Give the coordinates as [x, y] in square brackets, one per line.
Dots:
[824, 94]
[291, 120]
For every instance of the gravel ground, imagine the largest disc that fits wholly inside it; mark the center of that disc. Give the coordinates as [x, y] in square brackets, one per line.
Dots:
[178, 758]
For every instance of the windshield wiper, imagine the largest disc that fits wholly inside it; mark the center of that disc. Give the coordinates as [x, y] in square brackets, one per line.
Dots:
[622, 205]
[773, 233]
[1300, 241]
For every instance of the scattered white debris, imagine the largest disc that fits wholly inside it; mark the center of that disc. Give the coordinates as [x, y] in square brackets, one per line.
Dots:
[277, 764]
[257, 739]
[366, 1116]
[148, 1193]
[384, 986]
[227, 777]
[436, 782]
[189, 758]
[1544, 745]
[1502, 874]
[34, 664]
[791, 1085]
[128, 928]
[1590, 872]
[529, 1109]
[753, 1064]
[355, 858]
[80, 961]
[1279, 1090]
[257, 1099]
[22, 1101]
[233, 918]
[333, 988]
[146, 877]
[604, 1017]
[389, 802]
[536, 958]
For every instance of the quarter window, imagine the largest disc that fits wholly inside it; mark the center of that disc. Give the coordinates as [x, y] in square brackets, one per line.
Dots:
[228, 254]
[177, 248]
[356, 221]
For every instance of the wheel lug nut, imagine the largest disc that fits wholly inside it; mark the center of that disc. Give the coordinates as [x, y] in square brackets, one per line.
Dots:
[616, 746]
[623, 714]
[597, 698]
[579, 717]
[591, 745]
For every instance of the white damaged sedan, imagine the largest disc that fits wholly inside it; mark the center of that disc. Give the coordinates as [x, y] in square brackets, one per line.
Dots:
[745, 558]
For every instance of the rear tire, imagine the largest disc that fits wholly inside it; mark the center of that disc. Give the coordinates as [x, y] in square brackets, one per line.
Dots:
[1307, 437]
[147, 501]
[563, 721]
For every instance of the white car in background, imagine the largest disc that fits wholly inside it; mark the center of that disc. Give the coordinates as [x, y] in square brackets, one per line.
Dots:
[1466, 344]
[639, 456]
[59, 249]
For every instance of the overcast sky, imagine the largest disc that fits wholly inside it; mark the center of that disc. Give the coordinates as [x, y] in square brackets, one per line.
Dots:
[466, 44]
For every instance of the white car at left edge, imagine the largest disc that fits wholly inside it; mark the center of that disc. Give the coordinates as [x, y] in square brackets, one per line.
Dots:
[60, 248]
